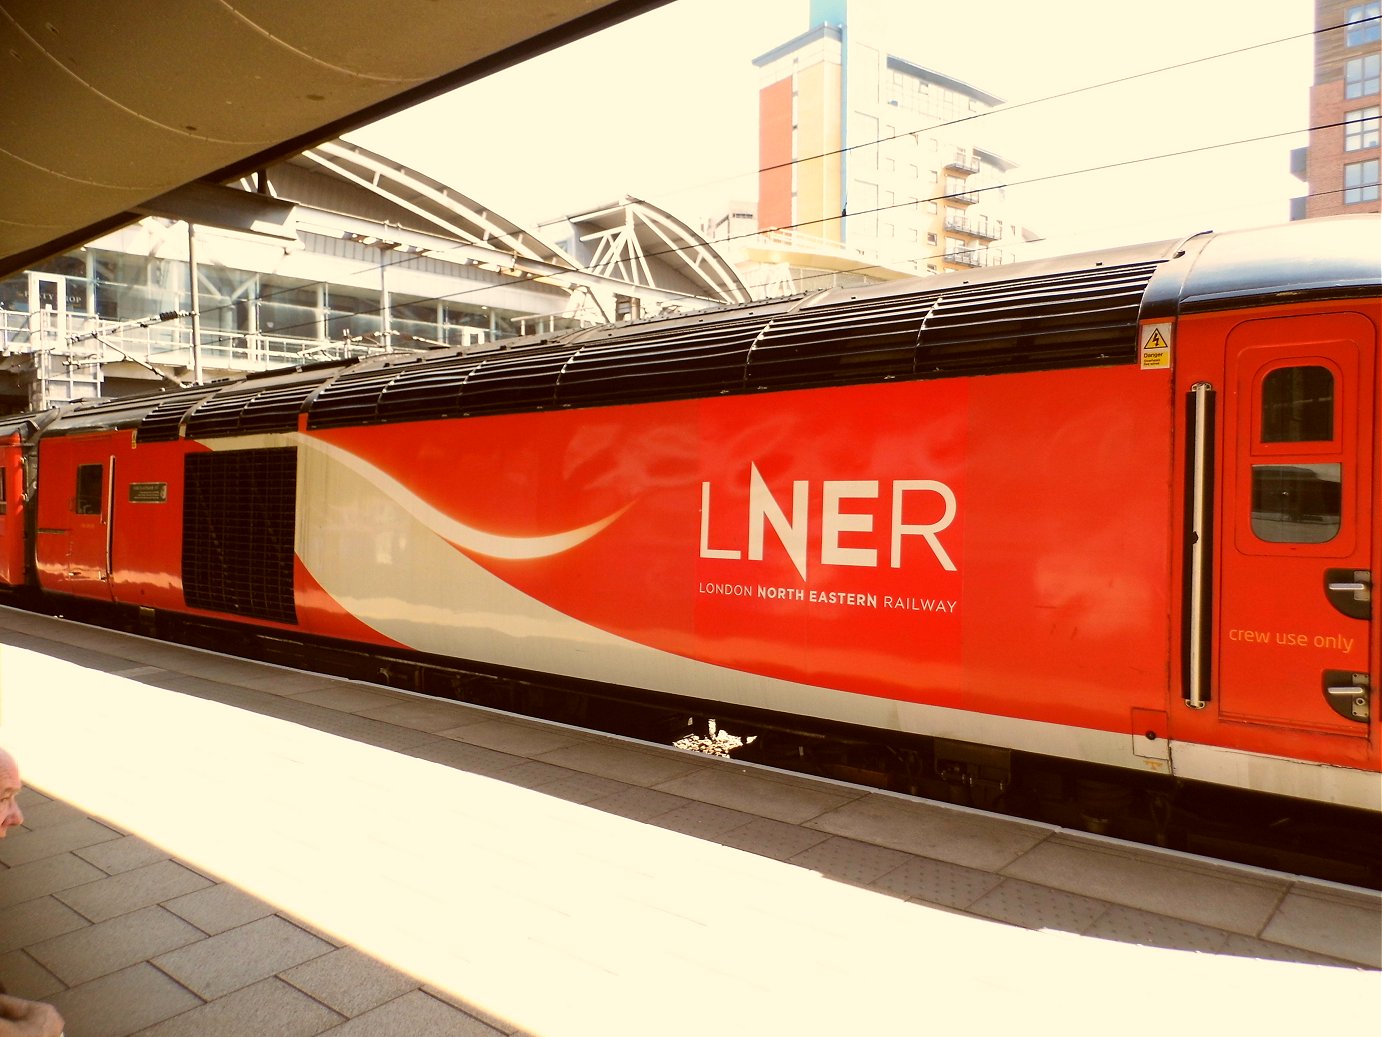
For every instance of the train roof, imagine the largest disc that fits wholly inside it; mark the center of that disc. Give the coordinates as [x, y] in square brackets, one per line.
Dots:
[1068, 311]
[1336, 257]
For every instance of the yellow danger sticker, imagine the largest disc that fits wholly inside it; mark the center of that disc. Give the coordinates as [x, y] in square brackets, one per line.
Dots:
[1154, 347]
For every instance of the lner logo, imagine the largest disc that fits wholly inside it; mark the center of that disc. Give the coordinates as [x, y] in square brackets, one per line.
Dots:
[836, 520]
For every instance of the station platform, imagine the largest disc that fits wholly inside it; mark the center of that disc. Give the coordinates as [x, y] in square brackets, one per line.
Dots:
[214, 846]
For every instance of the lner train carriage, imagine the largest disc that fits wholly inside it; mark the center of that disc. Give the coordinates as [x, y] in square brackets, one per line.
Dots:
[1118, 508]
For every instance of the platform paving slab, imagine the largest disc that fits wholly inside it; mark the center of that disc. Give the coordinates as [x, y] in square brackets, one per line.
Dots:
[116, 856]
[129, 891]
[34, 921]
[346, 698]
[756, 789]
[18, 971]
[1334, 922]
[219, 908]
[270, 1006]
[419, 714]
[1176, 887]
[518, 737]
[241, 956]
[109, 946]
[70, 834]
[629, 763]
[767, 837]
[955, 835]
[44, 876]
[120, 1004]
[349, 982]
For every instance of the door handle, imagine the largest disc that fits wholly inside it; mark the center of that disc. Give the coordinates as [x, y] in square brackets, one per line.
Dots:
[1347, 693]
[1350, 591]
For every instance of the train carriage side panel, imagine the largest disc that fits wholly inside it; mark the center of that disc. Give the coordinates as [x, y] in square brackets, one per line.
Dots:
[977, 545]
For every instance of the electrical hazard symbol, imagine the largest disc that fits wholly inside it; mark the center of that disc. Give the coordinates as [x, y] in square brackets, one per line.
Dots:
[1154, 347]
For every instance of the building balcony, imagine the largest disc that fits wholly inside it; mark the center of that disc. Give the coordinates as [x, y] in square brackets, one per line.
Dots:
[966, 257]
[956, 194]
[962, 162]
[980, 228]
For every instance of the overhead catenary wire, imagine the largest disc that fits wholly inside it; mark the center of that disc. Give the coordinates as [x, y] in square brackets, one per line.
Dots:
[1062, 94]
[999, 110]
[1103, 167]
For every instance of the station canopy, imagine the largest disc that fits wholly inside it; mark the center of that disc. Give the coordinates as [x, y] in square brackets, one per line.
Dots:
[117, 111]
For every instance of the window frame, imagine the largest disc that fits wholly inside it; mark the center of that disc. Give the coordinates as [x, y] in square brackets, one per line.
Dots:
[1363, 25]
[1264, 422]
[1269, 457]
[1362, 76]
[85, 501]
[1365, 185]
[1361, 128]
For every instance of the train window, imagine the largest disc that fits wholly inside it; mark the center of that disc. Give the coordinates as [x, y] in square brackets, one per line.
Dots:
[89, 481]
[1296, 503]
[1298, 405]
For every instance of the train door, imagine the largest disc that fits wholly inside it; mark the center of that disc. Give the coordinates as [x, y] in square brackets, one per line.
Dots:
[12, 517]
[74, 534]
[1294, 621]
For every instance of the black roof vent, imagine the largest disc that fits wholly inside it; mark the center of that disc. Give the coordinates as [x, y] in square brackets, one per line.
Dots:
[270, 409]
[513, 382]
[417, 391]
[1083, 317]
[661, 364]
[162, 423]
[873, 340]
[428, 387]
[1079, 319]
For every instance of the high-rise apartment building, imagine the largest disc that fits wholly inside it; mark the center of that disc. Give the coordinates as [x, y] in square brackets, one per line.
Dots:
[1341, 162]
[862, 148]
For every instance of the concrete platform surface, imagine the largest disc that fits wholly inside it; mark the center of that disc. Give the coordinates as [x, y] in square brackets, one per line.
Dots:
[219, 847]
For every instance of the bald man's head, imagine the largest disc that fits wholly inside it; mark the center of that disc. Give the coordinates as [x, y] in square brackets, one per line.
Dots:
[10, 814]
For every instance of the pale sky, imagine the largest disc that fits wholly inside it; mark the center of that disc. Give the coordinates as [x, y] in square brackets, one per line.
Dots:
[664, 107]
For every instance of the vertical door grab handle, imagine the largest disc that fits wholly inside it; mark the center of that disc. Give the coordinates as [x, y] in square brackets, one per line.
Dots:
[1199, 546]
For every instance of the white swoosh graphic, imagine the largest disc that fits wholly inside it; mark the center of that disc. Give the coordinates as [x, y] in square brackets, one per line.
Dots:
[467, 538]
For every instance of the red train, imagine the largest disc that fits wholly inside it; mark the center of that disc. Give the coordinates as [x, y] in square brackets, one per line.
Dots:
[1117, 508]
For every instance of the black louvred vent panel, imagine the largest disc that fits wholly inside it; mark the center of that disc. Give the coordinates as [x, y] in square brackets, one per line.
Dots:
[239, 523]
[422, 389]
[427, 390]
[845, 343]
[350, 399]
[1082, 318]
[161, 424]
[696, 360]
[273, 409]
[1085, 318]
[514, 382]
